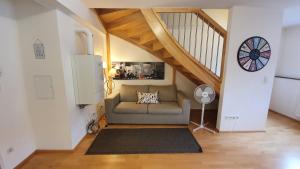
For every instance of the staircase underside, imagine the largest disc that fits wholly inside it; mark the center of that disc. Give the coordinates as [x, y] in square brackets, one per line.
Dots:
[143, 28]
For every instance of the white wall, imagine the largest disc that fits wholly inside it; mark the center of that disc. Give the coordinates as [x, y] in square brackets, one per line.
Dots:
[28, 123]
[77, 10]
[245, 94]
[57, 31]
[288, 63]
[285, 97]
[219, 15]
[49, 116]
[15, 126]
[286, 92]
[72, 43]
[122, 50]
[58, 123]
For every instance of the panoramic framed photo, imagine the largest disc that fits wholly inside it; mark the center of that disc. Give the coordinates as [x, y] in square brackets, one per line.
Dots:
[139, 70]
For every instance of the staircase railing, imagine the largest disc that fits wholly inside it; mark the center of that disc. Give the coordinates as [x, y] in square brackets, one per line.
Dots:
[198, 34]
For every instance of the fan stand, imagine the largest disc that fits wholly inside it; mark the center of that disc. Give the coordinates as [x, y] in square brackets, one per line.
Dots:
[202, 125]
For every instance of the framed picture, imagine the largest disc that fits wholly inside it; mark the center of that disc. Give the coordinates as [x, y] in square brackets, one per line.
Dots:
[39, 49]
[139, 70]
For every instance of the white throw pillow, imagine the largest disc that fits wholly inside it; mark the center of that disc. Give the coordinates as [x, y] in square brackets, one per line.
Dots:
[147, 98]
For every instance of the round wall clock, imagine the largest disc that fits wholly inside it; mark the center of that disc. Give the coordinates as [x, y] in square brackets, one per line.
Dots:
[254, 54]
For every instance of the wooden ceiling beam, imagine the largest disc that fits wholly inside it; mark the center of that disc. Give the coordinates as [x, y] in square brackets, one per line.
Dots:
[134, 19]
[112, 16]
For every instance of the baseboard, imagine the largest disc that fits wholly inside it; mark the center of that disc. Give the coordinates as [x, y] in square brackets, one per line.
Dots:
[83, 138]
[283, 115]
[255, 131]
[22, 163]
[40, 151]
[239, 131]
[270, 110]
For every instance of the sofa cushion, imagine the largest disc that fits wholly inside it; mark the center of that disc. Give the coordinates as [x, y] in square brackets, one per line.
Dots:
[128, 93]
[164, 108]
[147, 98]
[165, 93]
[131, 108]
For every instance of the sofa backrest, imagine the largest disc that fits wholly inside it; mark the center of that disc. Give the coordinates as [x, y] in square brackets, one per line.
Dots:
[128, 93]
[166, 93]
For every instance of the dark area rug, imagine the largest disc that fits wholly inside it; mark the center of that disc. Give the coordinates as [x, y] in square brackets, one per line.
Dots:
[144, 141]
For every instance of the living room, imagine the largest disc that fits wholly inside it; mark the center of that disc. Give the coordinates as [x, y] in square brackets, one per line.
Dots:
[115, 84]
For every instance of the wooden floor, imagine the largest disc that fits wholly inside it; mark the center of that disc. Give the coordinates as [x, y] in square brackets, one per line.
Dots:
[277, 148]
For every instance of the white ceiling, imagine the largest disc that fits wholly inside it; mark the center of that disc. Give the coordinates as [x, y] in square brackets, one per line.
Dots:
[188, 3]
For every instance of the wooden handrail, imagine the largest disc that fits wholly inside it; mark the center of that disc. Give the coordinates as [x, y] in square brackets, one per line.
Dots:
[186, 53]
[207, 19]
[177, 51]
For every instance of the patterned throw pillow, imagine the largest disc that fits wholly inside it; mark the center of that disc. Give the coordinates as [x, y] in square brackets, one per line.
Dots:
[147, 98]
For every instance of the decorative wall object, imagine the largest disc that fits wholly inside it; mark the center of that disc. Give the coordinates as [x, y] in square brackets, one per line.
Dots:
[43, 87]
[39, 49]
[139, 70]
[254, 54]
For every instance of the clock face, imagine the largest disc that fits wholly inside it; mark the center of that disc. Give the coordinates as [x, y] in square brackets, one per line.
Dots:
[254, 54]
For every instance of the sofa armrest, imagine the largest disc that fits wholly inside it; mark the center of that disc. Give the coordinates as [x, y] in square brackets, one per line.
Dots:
[184, 102]
[111, 101]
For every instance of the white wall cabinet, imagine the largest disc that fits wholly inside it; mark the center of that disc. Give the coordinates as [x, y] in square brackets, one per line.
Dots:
[286, 92]
[285, 97]
[88, 79]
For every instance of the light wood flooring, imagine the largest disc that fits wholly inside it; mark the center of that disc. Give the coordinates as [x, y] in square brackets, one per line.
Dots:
[277, 148]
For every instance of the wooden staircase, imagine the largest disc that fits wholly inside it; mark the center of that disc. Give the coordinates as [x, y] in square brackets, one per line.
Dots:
[146, 29]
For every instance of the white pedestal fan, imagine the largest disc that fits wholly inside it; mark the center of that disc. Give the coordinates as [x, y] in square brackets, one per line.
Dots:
[203, 94]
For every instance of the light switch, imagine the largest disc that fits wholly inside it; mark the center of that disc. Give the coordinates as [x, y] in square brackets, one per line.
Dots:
[266, 80]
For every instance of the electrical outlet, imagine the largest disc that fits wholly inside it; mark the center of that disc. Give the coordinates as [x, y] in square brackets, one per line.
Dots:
[228, 117]
[231, 117]
[9, 150]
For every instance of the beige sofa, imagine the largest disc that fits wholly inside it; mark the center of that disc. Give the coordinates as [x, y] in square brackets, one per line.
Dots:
[121, 107]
